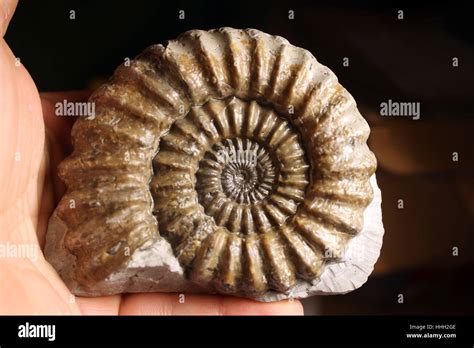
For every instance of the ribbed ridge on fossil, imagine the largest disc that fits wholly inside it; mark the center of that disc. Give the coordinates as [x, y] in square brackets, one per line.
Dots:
[237, 224]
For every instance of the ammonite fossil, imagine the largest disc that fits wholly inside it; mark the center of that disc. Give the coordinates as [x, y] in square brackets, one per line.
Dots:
[232, 153]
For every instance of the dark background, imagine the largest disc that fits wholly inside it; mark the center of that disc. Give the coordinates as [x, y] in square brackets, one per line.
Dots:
[407, 60]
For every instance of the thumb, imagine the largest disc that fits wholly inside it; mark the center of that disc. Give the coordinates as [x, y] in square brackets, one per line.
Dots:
[21, 137]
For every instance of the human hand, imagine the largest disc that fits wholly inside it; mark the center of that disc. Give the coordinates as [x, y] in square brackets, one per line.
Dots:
[33, 141]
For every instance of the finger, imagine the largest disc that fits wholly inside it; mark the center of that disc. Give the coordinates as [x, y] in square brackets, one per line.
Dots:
[7, 8]
[21, 136]
[176, 304]
[58, 131]
[60, 126]
[105, 305]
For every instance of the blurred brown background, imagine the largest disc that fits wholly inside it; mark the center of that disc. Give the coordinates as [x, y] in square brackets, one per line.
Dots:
[406, 60]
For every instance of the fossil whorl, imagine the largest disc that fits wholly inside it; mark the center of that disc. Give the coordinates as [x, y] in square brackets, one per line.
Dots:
[239, 149]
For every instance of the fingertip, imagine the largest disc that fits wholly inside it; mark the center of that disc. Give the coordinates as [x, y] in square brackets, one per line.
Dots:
[148, 304]
[195, 304]
[104, 305]
[241, 306]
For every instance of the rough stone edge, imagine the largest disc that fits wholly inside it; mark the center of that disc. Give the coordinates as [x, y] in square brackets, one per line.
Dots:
[152, 267]
[155, 269]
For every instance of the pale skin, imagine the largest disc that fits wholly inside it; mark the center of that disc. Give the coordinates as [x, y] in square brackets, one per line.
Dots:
[32, 142]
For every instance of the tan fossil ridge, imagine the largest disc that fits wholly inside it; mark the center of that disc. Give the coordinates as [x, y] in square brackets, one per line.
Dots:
[146, 166]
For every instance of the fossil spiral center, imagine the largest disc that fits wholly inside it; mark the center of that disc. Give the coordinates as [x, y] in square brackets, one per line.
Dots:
[247, 172]
[239, 181]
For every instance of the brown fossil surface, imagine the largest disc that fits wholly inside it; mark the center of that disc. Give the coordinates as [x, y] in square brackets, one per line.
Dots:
[227, 161]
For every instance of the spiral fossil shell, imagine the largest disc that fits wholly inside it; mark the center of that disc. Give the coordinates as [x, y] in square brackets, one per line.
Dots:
[240, 150]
